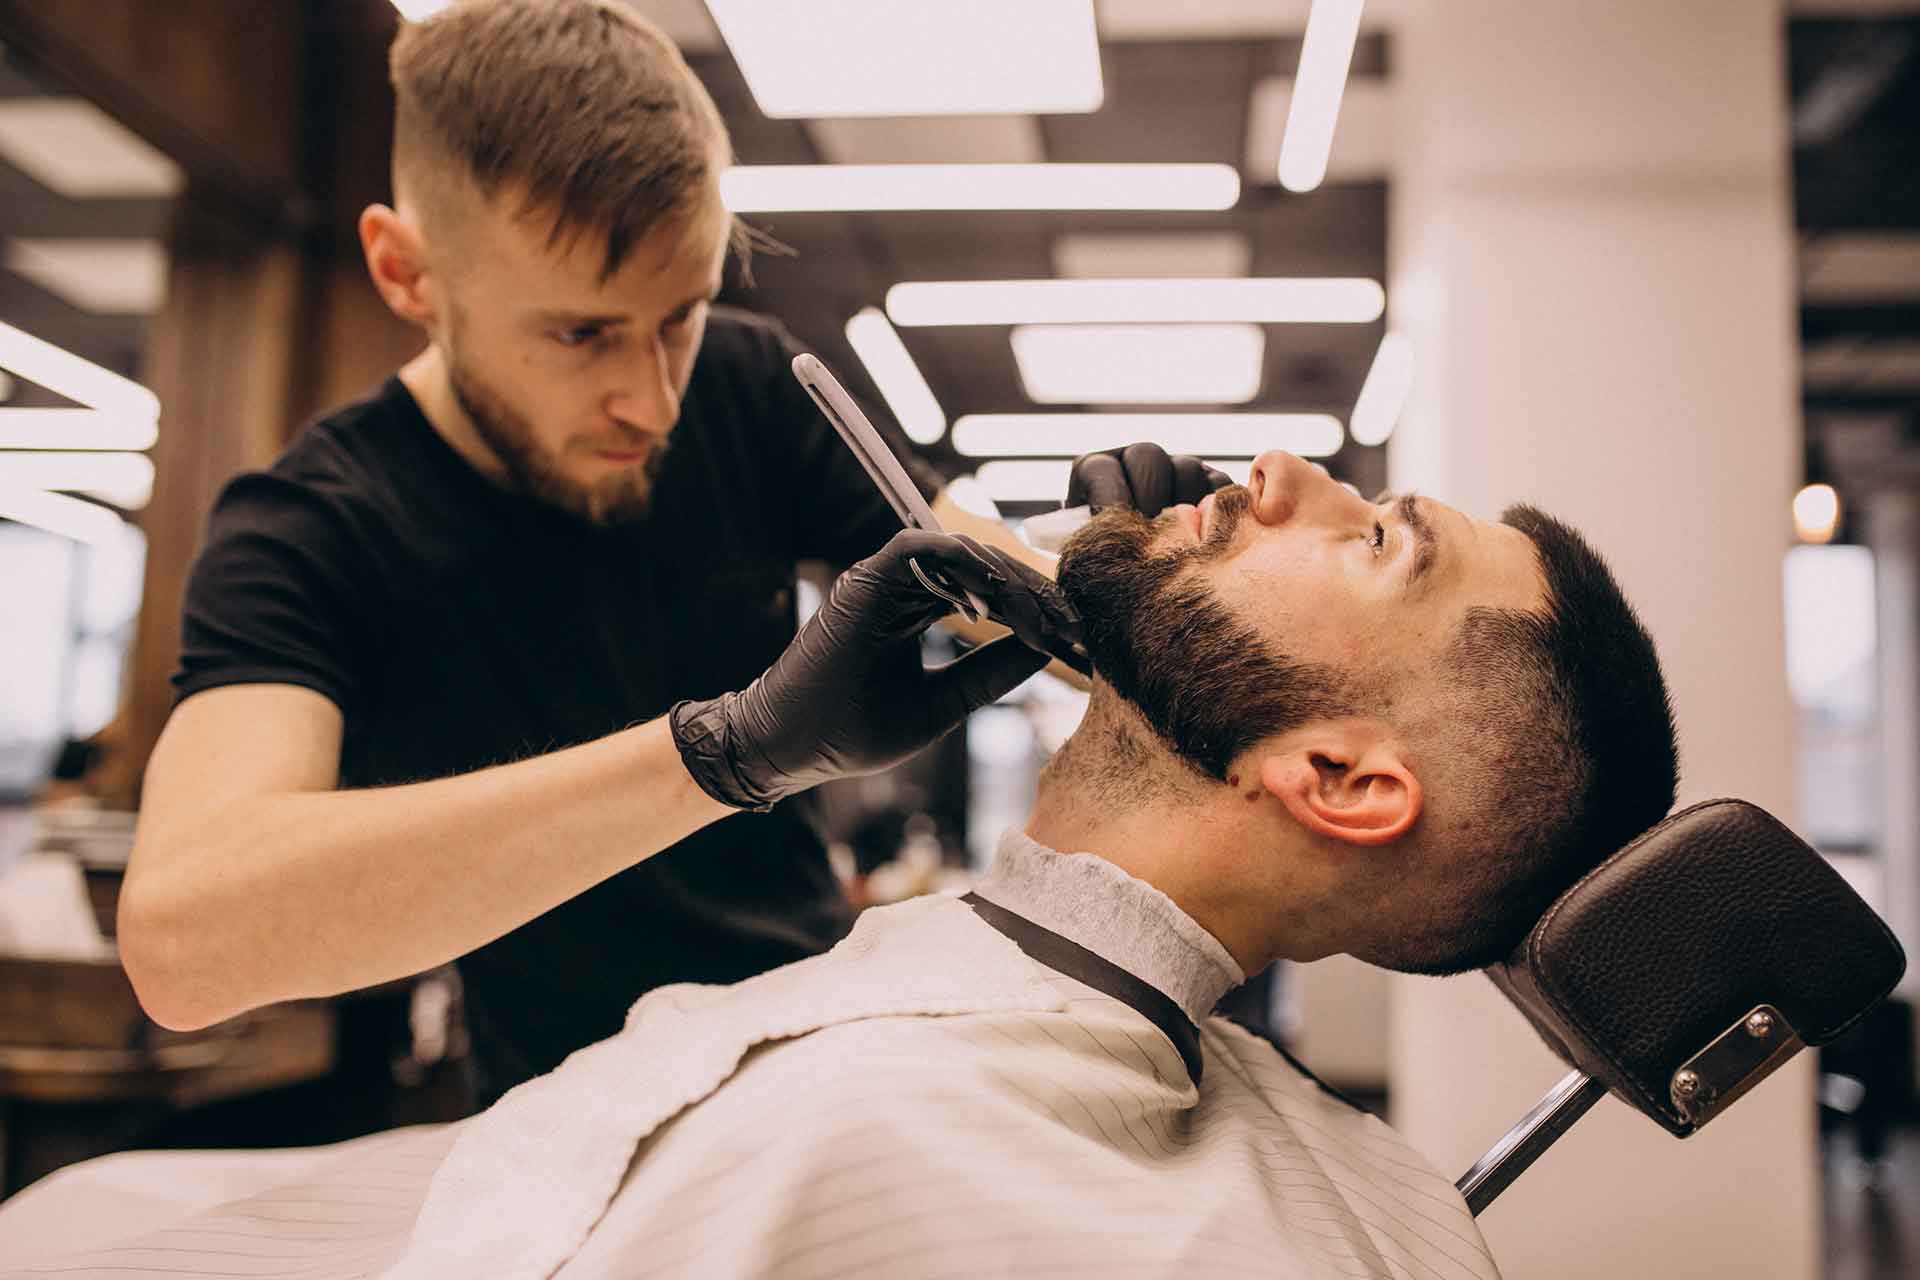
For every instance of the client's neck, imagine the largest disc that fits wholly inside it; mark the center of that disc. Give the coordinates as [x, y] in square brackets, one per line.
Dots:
[1114, 790]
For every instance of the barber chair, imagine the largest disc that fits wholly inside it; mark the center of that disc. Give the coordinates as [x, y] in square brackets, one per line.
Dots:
[1682, 971]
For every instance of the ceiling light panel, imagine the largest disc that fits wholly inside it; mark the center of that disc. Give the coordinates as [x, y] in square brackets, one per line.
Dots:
[1384, 394]
[1362, 145]
[58, 514]
[1325, 55]
[1262, 301]
[74, 429]
[1171, 255]
[898, 377]
[124, 479]
[106, 277]
[850, 188]
[887, 58]
[1140, 363]
[929, 140]
[1068, 435]
[61, 371]
[72, 147]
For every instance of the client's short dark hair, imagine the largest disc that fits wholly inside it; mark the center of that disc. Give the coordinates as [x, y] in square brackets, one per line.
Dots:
[1568, 753]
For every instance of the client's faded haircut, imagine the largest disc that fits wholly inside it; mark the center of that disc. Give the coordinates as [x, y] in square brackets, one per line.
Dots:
[581, 110]
[1566, 753]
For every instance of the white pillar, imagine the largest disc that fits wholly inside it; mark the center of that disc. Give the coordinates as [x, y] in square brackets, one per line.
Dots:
[1592, 253]
[1893, 531]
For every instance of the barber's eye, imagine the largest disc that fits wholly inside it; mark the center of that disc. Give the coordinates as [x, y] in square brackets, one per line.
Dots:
[1379, 538]
[579, 335]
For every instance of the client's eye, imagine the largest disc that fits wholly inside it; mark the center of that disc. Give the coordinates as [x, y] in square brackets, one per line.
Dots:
[1379, 538]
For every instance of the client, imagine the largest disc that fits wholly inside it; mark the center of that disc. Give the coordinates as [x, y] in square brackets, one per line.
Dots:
[1317, 725]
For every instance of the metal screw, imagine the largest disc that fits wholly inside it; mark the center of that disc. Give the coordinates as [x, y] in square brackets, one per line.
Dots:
[1760, 1025]
[1686, 1084]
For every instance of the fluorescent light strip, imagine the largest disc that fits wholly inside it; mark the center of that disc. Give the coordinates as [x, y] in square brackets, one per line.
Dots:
[1384, 394]
[897, 376]
[74, 429]
[1046, 480]
[812, 58]
[1266, 301]
[1309, 435]
[1140, 363]
[77, 379]
[57, 514]
[1325, 56]
[420, 10]
[124, 479]
[850, 188]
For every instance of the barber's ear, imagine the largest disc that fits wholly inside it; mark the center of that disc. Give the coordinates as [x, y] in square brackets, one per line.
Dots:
[1348, 786]
[397, 260]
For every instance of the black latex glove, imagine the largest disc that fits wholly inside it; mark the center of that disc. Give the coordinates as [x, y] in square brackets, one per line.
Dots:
[850, 695]
[1141, 476]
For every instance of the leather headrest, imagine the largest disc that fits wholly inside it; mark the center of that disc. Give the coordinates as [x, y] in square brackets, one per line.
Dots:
[1673, 942]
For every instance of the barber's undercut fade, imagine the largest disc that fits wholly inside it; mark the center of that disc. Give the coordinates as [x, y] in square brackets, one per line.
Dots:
[581, 110]
[1569, 753]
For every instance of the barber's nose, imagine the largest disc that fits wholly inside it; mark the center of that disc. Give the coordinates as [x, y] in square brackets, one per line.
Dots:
[645, 395]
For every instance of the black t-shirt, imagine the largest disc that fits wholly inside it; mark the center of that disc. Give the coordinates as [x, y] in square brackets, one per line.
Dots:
[458, 625]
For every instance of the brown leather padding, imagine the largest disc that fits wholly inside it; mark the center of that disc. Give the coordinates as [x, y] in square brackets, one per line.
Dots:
[1675, 938]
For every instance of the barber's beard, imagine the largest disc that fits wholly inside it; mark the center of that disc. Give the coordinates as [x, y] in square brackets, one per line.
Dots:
[620, 497]
[1207, 682]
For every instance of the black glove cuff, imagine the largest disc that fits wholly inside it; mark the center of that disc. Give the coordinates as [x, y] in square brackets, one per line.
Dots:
[700, 732]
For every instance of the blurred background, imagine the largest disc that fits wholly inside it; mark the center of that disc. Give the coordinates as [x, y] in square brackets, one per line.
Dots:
[1654, 265]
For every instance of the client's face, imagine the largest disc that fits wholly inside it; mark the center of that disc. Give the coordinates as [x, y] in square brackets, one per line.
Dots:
[1258, 610]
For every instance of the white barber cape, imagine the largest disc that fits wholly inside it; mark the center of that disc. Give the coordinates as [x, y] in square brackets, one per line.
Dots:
[925, 1100]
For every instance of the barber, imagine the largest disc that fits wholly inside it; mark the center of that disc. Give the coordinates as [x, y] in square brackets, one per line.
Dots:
[499, 665]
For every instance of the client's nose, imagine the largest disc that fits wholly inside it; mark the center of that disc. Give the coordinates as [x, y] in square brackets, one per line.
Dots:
[1278, 481]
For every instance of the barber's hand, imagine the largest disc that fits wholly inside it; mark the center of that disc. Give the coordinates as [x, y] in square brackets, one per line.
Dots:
[850, 696]
[1141, 476]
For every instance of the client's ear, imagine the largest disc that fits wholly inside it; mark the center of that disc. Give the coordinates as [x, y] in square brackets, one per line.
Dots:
[1346, 780]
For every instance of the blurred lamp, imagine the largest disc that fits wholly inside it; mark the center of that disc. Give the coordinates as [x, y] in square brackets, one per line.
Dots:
[58, 514]
[1068, 435]
[898, 377]
[1140, 363]
[1250, 301]
[1816, 513]
[419, 10]
[74, 429]
[82, 380]
[888, 58]
[1384, 394]
[1325, 55]
[853, 188]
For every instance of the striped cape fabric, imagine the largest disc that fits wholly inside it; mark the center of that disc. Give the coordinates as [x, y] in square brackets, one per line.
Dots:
[923, 1101]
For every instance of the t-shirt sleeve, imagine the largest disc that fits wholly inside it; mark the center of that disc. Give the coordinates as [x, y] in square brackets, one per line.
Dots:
[840, 515]
[276, 595]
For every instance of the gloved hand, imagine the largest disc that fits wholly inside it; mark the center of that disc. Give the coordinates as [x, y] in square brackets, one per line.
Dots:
[1141, 476]
[850, 696]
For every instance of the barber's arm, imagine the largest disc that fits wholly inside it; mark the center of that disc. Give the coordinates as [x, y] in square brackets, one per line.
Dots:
[253, 880]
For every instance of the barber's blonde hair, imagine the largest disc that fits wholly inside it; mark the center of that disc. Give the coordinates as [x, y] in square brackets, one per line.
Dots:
[580, 111]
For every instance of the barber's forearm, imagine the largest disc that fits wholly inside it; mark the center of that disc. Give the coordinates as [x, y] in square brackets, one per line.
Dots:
[314, 893]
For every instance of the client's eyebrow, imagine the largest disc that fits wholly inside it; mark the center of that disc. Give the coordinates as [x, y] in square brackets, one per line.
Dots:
[1426, 552]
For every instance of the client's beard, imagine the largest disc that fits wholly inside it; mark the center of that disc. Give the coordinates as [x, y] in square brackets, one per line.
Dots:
[1208, 683]
[617, 499]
